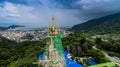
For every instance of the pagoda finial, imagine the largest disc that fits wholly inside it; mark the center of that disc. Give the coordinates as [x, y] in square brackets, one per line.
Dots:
[53, 20]
[53, 25]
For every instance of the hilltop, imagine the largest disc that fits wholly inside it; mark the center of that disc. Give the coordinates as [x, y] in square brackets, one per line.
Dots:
[9, 27]
[104, 25]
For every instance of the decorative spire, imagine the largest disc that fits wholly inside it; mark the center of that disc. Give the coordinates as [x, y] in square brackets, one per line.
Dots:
[53, 20]
[53, 25]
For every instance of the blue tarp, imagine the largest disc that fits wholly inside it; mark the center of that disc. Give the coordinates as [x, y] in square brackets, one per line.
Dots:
[69, 62]
[65, 53]
[91, 62]
[41, 57]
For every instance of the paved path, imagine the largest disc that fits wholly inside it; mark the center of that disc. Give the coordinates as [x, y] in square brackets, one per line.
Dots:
[113, 59]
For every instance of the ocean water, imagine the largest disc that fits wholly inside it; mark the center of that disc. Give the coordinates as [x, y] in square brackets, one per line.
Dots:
[28, 28]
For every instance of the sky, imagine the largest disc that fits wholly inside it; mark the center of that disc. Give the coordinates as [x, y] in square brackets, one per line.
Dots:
[38, 13]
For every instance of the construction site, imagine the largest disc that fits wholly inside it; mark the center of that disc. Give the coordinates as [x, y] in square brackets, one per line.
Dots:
[55, 56]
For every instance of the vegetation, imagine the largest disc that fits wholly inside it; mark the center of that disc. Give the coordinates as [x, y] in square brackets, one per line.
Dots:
[80, 46]
[3, 28]
[111, 47]
[23, 54]
[14, 26]
[28, 36]
[105, 25]
[10, 27]
[13, 54]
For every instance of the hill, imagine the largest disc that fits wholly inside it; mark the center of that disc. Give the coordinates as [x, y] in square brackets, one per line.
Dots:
[14, 26]
[3, 28]
[9, 27]
[108, 24]
[13, 54]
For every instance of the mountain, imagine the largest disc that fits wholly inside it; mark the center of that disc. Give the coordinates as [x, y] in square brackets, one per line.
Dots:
[2, 28]
[9, 27]
[103, 25]
[14, 26]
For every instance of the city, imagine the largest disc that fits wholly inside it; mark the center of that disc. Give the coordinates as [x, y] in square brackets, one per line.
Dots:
[28, 35]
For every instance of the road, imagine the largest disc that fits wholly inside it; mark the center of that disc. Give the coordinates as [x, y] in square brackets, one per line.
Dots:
[113, 59]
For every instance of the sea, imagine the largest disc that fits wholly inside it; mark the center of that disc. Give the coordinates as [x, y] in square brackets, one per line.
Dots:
[28, 28]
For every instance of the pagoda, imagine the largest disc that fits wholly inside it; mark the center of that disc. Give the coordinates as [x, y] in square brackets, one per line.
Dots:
[53, 55]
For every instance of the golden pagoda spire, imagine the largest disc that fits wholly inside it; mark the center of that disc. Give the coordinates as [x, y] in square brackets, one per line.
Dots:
[53, 25]
[53, 20]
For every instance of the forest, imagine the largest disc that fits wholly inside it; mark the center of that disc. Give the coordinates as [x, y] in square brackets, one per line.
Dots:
[23, 54]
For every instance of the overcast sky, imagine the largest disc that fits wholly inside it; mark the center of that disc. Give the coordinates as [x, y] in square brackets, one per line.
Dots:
[66, 12]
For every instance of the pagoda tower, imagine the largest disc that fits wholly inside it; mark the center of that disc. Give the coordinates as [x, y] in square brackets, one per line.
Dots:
[53, 55]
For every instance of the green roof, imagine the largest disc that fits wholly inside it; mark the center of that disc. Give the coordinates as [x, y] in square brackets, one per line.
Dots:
[108, 64]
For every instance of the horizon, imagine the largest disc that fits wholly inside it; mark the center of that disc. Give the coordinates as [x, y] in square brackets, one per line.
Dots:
[38, 13]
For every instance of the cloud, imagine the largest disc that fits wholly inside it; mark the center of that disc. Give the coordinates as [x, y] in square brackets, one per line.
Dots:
[14, 12]
[11, 9]
[102, 5]
[97, 8]
[67, 12]
[33, 15]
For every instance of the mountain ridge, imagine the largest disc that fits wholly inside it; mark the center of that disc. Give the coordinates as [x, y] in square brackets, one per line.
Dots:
[111, 23]
[10, 27]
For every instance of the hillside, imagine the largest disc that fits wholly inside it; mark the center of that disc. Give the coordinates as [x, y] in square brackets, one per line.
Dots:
[14, 26]
[10, 27]
[2, 28]
[107, 24]
[23, 54]
[13, 54]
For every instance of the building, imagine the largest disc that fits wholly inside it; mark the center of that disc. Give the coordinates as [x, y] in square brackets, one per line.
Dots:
[54, 56]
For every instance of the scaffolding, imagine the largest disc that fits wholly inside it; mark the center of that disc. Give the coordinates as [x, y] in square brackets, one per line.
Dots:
[53, 55]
